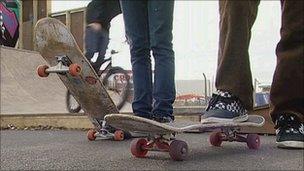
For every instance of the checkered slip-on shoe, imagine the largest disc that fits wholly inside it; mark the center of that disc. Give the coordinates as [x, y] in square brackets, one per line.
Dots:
[224, 107]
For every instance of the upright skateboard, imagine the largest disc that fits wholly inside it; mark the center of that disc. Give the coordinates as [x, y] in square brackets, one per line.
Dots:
[59, 48]
[161, 137]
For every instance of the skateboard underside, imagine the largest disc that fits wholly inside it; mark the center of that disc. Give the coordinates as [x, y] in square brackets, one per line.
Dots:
[58, 47]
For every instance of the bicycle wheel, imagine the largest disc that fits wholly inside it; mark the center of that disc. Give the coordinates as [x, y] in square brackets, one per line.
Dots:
[117, 83]
[72, 104]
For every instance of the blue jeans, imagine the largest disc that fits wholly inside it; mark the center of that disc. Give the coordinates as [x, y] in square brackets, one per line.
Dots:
[148, 27]
[96, 41]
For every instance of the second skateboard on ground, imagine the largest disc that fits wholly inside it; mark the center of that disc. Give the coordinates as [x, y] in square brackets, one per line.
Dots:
[161, 137]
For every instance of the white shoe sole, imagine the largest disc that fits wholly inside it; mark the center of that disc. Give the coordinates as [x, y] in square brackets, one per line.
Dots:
[224, 120]
[290, 144]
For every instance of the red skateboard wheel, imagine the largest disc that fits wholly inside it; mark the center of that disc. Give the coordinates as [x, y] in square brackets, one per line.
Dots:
[253, 141]
[215, 139]
[74, 69]
[91, 135]
[119, 135]
[41, 71]
[137, 147]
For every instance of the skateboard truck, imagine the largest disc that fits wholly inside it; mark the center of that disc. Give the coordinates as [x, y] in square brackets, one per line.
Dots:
[103, 133]
[177, 149]
[64, 66]
[232, 134]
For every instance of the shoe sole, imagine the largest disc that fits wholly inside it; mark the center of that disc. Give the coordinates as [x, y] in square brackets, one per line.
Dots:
[290, 144]
[223, 120]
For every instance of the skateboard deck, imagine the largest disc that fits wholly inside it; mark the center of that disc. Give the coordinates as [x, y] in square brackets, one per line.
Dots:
[156, 133]
[58, 47]
[140, 124]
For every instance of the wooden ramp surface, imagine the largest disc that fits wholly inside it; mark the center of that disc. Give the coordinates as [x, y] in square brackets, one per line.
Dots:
[22, 90]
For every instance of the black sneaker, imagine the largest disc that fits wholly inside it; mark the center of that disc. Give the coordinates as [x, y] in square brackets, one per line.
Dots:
[289, 132]
[224, 107]
[157, 118]
[96, 68]
[165, 119]
[147, 116]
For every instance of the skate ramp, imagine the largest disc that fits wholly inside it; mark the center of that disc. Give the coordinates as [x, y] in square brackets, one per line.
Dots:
[22, 90]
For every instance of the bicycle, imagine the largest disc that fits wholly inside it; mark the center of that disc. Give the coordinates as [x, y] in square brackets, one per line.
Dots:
[115, 79]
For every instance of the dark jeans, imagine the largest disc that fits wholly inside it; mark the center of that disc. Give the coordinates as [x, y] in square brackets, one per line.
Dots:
[148, 27]
[234, 74]
[96, 41]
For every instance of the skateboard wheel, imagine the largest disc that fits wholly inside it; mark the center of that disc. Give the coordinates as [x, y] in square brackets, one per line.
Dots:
[41, 71]
[215, 139]
[178, 150]
[91, 135]
[74, 69]
[137, 147]
[119, 135]
[253, 141]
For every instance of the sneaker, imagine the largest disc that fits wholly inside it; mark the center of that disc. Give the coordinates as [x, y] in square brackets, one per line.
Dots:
[147, 116]
[165, 119]
[96, 69]
[157, 118]
[289, 132]
[224, 107]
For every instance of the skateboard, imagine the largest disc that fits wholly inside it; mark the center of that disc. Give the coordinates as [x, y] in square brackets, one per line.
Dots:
[58, 47]
[161, 137]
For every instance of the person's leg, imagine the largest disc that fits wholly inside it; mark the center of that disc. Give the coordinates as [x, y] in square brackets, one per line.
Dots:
[160, 26]
[233, 79]
[102, 48]
[287, 91]
[92, 39]
[135, 15]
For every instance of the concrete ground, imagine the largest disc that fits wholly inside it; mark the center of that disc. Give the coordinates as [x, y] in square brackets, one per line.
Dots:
[70, 150]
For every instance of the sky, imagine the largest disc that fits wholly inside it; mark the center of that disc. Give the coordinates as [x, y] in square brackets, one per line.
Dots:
[195, 38]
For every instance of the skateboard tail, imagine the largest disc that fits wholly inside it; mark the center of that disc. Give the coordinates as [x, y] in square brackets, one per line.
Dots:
[47, 32]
